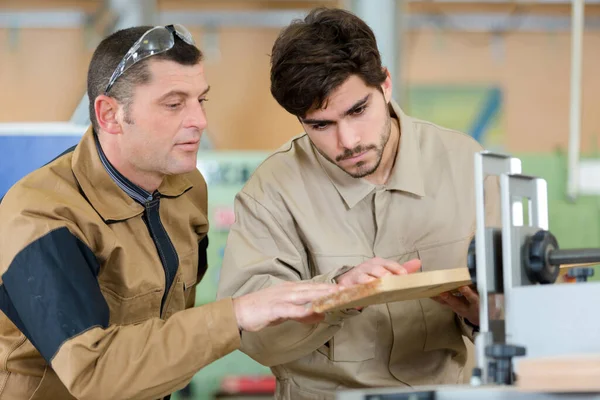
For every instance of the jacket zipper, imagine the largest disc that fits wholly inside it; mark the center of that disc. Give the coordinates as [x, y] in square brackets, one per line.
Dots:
[148, 205]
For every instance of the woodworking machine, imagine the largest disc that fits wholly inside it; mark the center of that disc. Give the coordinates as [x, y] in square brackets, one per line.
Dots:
[515, 267]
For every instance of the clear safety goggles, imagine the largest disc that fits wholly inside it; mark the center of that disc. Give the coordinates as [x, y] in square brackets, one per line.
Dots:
[154, 41]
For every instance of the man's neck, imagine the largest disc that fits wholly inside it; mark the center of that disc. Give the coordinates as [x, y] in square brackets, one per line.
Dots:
[145, 180]
[388, 158]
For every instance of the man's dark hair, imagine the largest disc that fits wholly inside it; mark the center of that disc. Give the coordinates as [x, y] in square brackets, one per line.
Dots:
[312, 57]
[108, 55]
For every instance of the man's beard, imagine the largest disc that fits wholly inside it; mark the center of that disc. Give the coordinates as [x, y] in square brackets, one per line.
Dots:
[363, 170]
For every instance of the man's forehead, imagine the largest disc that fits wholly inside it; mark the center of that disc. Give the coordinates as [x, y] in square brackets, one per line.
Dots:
[169, 75]
[342, 98]
[167, 69]
[335, 107]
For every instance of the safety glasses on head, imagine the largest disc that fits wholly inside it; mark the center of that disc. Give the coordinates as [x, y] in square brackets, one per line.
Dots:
[154, 41]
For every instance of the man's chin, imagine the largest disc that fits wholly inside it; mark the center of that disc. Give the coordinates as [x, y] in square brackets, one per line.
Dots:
[357, 172]
[183, 167]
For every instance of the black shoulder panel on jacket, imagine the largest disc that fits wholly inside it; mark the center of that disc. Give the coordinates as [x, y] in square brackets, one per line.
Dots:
[51, 292]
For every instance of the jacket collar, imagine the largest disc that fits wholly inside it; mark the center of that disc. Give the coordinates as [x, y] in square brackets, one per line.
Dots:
[406, 175]
[112, 195]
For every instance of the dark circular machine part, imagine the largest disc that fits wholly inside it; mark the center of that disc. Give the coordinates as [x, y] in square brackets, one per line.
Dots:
[535, 255]
[502, 350]
[500, 368]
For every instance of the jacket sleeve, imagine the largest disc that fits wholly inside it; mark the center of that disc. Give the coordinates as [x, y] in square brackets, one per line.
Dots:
[263, 251]
[49, 290]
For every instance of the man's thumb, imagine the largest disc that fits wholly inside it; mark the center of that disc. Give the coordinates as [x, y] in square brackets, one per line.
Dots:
[412, 265]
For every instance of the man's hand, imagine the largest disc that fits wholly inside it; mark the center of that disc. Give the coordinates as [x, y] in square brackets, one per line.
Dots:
[279, 303]
[376, 268]
[466, 305]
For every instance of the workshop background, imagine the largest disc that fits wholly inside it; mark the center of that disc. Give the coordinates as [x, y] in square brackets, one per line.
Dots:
[505, 72]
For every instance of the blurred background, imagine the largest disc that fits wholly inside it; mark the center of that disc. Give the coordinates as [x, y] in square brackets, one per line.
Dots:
[521, 77]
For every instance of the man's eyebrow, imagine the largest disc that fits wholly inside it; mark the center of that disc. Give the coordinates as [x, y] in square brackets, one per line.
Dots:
[181, 93]
[172, 93]
[357, 105]
[317, 121]
[349, 111]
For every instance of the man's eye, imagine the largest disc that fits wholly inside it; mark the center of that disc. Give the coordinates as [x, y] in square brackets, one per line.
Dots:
[173, 105]
[202, 101]
[359, 110]
[320, 126]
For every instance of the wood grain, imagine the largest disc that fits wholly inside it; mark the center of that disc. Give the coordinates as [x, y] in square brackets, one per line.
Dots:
[395, 288]
[560, 374]
[567, 267]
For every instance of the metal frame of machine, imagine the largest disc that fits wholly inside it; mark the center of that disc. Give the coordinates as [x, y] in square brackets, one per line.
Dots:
[520, 261]
[509, 261]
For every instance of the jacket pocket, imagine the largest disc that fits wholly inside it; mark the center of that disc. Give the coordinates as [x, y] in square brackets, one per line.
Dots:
[51, 387]
[288, 389]
[356, 340]
[447, 255]
[443, 330]
[192, 267]
[181, 292]
[134, 309]
[304, 394]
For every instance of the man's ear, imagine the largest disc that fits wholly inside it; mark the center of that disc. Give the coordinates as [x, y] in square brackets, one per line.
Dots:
[386, 86]
[106, 109]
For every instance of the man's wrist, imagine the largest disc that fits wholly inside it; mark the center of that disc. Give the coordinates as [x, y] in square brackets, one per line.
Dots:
[238, 314]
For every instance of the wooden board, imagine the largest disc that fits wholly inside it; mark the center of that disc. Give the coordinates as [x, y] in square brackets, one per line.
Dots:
[392, 288]
[567, 267]
[560, 374]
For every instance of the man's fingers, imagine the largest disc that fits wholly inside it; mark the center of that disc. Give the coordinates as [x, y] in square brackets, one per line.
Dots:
[407, 268]
[471, 296]
[300, 297]
[439, 300]
[461, 306]
[412, 266]
[456, 303]
[287, 311]
[390, 265]
[364, 278]
[395, 268]
[378, 271]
